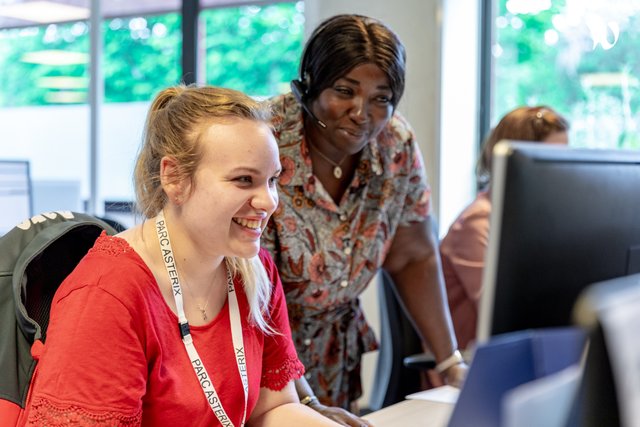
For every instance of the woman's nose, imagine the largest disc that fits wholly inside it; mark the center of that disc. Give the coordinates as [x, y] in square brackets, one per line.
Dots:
[266, 199]
[359, 112]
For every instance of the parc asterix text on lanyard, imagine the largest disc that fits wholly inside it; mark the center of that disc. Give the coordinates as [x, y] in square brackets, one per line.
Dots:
[236, 330]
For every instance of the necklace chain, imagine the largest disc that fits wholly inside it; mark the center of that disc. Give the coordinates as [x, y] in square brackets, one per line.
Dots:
[203, 310]
[337, 170]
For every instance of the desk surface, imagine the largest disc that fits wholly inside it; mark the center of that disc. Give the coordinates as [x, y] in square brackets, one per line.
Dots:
[412, 413]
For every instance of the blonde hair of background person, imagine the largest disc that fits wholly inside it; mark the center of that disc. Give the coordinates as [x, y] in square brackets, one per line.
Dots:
[463, 248]
[181, 320]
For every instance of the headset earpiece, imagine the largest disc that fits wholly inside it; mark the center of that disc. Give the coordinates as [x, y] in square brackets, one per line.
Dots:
[300, 87]
[299, 92]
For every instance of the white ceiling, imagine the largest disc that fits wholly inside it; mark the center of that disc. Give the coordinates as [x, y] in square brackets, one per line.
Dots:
[21, 13]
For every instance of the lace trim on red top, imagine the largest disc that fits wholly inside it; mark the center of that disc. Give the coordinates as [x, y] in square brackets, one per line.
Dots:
[44, 412]
[111, 245]
[276, 379]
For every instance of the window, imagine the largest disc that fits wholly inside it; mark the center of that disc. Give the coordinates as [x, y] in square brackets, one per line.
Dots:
[44, 85]
[255, 49]
[579, 57]
[141, 56]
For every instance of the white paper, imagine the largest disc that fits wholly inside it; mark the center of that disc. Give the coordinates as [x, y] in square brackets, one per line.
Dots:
[444, 394]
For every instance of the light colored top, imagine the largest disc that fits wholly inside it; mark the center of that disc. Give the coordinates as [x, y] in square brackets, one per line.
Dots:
[462, 251]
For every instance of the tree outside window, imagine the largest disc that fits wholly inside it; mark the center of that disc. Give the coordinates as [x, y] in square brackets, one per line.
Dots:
[578, 57]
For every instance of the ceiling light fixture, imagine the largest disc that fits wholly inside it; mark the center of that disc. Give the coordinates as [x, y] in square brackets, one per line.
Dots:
[44, 12]
[55, 57]
[66, 97]
[63, 82]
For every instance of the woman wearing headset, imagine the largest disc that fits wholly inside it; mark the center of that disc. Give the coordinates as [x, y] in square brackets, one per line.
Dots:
[353, 199]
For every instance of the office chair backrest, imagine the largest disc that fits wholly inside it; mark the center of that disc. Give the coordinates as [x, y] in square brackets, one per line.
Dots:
[394, 377]
[398, 339]
[35, 257]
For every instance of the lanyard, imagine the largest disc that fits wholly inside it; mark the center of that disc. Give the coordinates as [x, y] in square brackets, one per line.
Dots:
[236, 330]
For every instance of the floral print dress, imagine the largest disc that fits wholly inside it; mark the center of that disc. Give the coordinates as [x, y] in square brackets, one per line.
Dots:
[327, 254]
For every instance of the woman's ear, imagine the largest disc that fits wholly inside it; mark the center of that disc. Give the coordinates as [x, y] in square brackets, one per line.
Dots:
[172, 181]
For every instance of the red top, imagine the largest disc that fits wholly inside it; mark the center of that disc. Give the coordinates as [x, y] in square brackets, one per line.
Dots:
[114, 355]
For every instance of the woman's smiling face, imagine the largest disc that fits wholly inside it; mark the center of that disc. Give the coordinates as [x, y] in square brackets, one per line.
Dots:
[355, 108]
[234, 188]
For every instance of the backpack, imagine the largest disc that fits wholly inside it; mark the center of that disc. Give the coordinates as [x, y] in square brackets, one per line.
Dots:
[35, 257]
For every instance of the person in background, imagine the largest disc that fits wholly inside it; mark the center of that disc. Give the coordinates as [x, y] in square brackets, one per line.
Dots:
[181, 320]
[353, 199]
[463, 248]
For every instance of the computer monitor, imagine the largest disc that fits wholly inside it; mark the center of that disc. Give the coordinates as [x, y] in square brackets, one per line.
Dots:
[609, 390]
[562, 218]
[15, 193]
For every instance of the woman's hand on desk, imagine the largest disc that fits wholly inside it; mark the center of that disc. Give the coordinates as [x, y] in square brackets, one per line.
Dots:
[340, 416]
[455, 375]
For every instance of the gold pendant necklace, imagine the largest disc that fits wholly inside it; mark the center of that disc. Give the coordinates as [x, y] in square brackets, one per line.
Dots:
[203, 310]
[337, 170]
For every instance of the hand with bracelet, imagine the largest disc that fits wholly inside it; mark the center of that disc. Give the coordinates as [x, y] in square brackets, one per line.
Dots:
[453, 369]
[339, 415]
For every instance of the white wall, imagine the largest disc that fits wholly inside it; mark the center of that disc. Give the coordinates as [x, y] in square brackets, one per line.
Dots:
[459, 108]
[55, 139]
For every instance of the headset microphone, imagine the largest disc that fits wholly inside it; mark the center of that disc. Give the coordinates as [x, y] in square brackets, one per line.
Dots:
[297, 90]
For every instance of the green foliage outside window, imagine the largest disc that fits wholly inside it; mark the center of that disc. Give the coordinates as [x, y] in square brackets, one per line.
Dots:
[555, 57]
[141, 56]
[249, 48]
[252, 49]
[20, 82]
